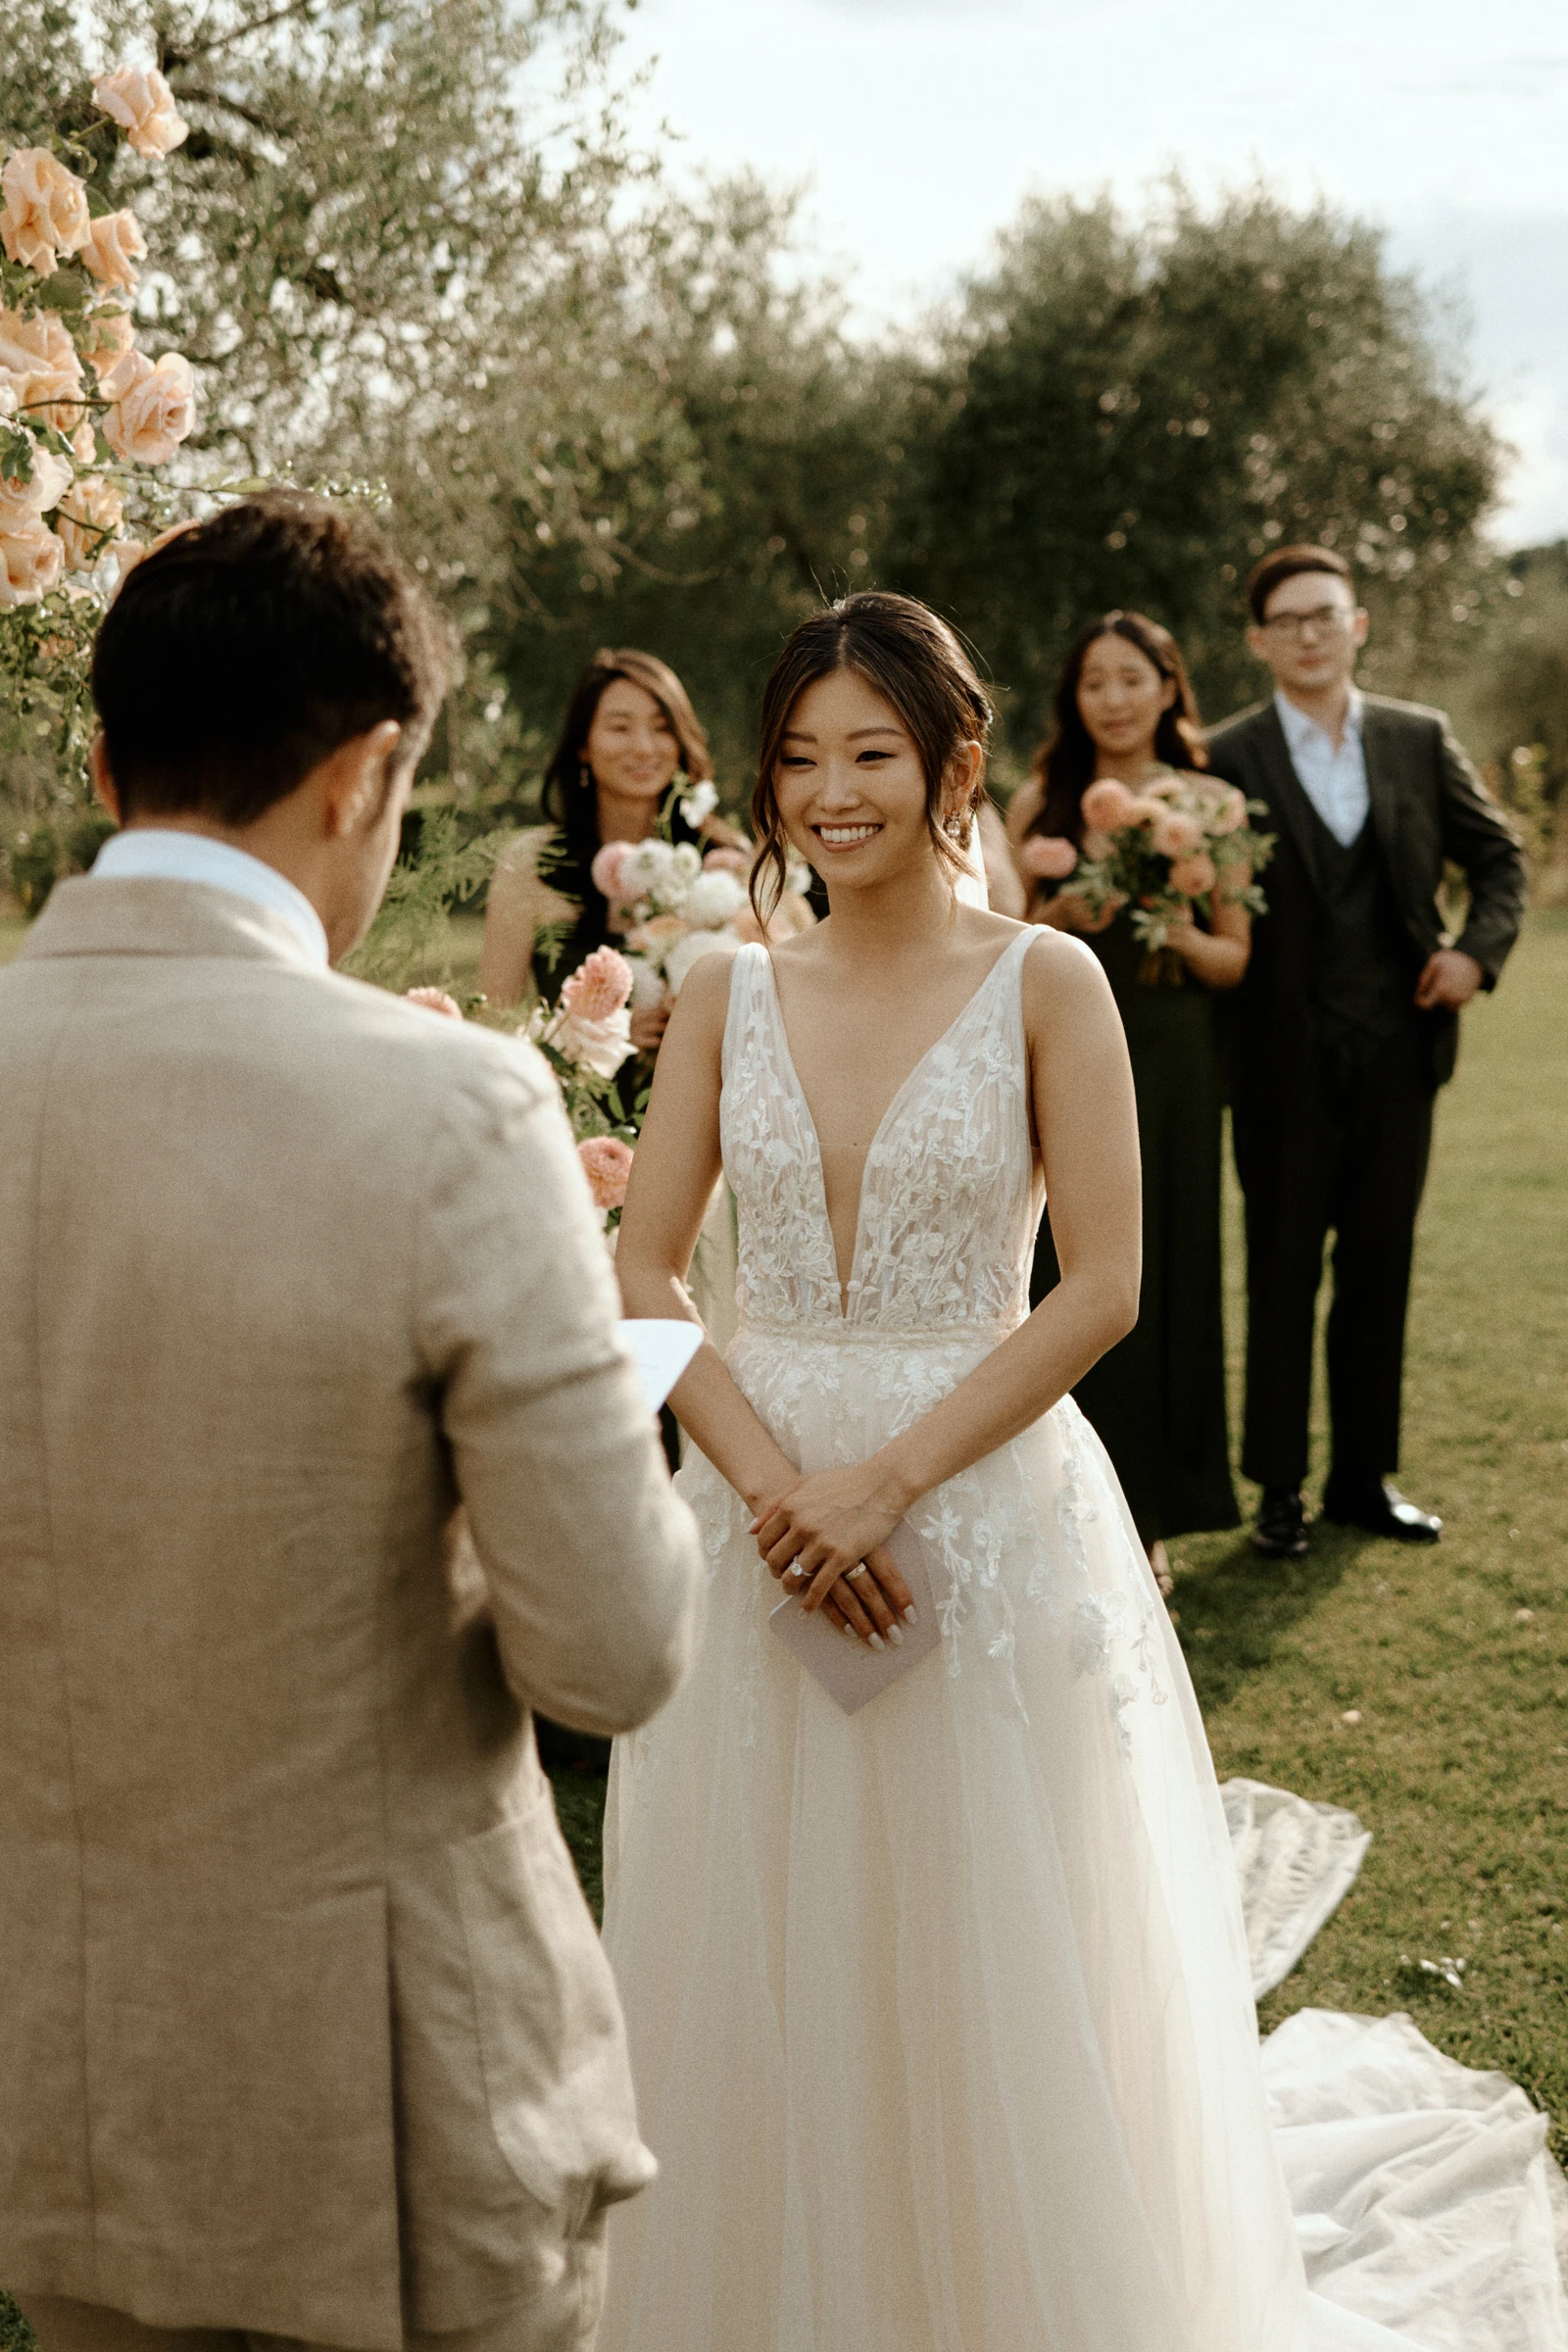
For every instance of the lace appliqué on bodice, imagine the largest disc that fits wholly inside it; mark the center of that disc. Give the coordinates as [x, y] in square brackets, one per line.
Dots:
[946, 1212]
[940, 1276]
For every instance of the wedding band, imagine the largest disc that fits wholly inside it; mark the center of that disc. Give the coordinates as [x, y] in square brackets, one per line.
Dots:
[852, 1573]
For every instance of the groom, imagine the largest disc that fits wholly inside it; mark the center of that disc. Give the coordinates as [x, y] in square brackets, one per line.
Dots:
[1345, 1025]
[307, 2030]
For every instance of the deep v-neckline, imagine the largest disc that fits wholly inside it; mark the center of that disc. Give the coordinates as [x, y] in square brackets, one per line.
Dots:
[843, 1291]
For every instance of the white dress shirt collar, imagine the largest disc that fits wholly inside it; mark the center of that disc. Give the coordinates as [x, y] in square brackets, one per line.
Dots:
[167, 855]
[1300, 730]
[1333, 775]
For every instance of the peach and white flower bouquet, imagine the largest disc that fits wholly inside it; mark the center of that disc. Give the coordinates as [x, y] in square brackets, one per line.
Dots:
[86, 417]
[585, 1036]
[1163, 850]
[675, 905]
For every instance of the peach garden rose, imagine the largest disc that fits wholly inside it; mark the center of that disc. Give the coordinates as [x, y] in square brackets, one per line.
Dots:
[112, 245]
[141, 102]
[45, 211]
[154, 407]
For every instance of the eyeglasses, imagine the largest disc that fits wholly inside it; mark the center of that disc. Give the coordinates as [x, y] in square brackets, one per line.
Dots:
[1325, 620]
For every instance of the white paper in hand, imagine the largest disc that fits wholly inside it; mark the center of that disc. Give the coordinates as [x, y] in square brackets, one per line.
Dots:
[849, 1670]
[662, 1352]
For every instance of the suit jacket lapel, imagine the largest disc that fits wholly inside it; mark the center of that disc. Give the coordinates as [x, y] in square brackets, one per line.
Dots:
[1380, 750]
[1286, 793]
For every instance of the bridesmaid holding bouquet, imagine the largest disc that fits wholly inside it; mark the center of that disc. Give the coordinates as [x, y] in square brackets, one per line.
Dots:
[1124, 711]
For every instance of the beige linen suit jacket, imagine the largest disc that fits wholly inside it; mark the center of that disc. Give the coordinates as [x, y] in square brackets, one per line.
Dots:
[304, 2023]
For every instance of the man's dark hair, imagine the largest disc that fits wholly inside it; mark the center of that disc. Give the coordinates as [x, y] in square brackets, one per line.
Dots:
[1283, 564]
[249, 648]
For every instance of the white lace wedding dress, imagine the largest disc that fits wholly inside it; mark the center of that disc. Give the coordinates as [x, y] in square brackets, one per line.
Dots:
[939, 2014]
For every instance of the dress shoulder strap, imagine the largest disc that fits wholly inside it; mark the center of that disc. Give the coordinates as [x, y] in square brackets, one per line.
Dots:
[748, 978]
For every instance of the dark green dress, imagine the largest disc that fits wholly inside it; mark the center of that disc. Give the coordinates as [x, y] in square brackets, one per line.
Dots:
[1157, 1400]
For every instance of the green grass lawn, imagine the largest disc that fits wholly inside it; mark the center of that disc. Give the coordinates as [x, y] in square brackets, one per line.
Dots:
[1455, 1658]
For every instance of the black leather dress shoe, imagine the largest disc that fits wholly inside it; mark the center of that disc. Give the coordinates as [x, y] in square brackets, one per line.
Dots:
[1279, 1531]
[1381, 1509]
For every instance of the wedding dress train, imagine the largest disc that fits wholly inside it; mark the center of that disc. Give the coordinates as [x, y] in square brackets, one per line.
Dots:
[939, 2014]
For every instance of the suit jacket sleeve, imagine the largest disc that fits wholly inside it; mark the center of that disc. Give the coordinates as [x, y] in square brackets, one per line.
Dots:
[1477, 836]
[590, 1558]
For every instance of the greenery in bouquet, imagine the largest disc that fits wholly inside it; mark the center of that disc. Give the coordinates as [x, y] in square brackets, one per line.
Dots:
[1163, 851]
[86, 419]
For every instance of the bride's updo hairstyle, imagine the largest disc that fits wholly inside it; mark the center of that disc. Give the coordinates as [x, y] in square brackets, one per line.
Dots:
[909, 656]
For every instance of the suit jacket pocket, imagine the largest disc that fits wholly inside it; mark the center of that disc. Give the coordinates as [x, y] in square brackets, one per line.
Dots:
[552, 2042]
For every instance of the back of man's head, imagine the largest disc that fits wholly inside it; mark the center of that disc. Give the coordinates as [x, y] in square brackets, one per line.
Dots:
[247, 649]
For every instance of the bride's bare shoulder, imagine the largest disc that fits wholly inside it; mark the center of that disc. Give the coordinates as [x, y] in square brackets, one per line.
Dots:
[1064, 980]
[703, 1004]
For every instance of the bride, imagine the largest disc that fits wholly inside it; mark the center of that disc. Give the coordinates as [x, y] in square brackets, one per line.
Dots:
[940, 2010]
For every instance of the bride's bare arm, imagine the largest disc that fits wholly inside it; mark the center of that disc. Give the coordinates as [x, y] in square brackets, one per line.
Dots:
[672, 1177]
[1087, 1123]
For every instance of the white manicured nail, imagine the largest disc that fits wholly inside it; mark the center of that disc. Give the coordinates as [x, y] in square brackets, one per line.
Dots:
[896, 1636]
[877, 1641]
[908, 1614]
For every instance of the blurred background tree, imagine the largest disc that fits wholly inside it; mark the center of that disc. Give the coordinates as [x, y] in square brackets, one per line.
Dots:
[408, 245]
[1131, 411]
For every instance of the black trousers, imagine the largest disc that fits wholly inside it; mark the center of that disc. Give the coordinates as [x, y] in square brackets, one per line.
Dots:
[1345, 1152]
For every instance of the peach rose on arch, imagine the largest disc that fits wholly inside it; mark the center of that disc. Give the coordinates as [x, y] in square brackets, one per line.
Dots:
[112, 244]
[31, 560]
[45, 210]
[23, 503]
[39, 360]
[607, 1165]
[141, 102]
[114, 332]
[154, 407]
[87, 520]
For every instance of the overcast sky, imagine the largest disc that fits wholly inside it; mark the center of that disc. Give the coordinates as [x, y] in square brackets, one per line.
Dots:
[920, 124]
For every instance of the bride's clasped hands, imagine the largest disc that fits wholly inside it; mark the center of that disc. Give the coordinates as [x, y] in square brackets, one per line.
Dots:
[825, 1537]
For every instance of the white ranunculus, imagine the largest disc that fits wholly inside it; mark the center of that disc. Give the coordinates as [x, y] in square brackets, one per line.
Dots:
[691, 949]
[646, 984]
[648, 872]
[687, 861]
[713, 898]
[700, 802]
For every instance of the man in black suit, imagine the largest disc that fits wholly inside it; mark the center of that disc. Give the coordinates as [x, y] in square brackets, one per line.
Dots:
[1345, 1026]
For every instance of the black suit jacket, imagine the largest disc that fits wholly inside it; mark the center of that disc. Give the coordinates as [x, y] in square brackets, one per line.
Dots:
[1428, 807]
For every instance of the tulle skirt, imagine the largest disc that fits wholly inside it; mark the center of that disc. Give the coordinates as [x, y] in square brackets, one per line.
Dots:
[939, 2014]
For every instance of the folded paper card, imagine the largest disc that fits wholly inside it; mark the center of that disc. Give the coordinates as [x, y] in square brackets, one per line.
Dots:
[848, 1669]
[662, 1352]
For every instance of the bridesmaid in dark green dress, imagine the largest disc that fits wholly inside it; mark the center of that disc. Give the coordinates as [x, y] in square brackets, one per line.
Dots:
[1124, 709]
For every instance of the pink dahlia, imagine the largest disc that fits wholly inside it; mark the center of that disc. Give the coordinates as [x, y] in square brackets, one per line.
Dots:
[597, 986]
[607, 1165]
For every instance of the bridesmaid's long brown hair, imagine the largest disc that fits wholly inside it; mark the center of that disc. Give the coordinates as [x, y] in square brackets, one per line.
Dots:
[1065, 761]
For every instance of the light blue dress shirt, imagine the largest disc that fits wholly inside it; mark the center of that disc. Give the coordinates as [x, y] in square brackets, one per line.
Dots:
[1332, 780]
[168, 855]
